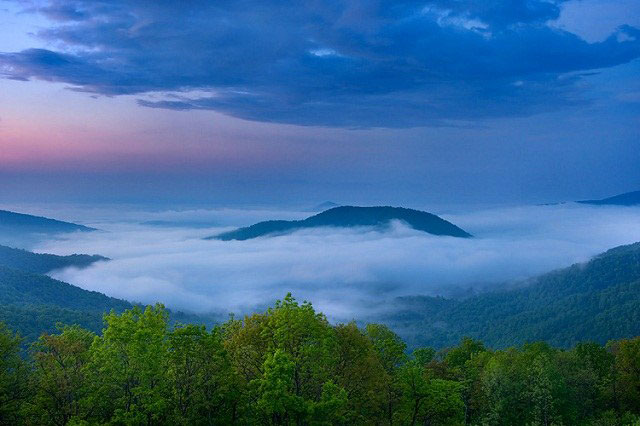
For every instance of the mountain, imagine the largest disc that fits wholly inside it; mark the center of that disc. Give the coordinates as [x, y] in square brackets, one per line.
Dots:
[626, 199]
[20, 287]
[11, 221]
[41, 263]
[596, 301]
[32, 303]
[349, 217]
[21, 230]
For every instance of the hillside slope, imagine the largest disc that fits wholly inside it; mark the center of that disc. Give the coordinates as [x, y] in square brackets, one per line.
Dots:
[23, 230]
[25, 288]
[32, 304]
[350, 217]
[598, 301]
[41, 263]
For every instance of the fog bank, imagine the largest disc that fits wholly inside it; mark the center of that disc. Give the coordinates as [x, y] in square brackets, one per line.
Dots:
[342, 271]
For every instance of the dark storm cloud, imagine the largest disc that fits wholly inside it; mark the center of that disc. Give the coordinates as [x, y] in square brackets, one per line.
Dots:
[340, 63]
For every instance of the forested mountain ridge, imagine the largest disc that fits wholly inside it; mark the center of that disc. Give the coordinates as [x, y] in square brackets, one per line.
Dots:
[597, 301]
[19, 287]
[41, 263]
[21, 222]
[23, 230]
[350, 217]
[32, 304]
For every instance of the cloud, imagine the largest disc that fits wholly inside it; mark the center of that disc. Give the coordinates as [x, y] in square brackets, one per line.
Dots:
[345, 273]
[344, 63]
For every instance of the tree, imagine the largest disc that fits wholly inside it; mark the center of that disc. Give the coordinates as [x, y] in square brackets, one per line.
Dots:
[627, 373]
[202, 384]
[360, 372]
[465, 364]
[391, 352]
[588, 374]
[289, 354]
[128, 367]
[277, 401]
[59, 376]
[289, 366]
[14, 377]
[425, 399]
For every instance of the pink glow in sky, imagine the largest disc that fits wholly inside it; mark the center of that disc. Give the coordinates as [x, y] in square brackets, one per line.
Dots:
[59, 132]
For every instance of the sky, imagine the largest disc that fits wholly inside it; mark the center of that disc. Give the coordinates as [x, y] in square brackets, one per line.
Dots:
[440, 102]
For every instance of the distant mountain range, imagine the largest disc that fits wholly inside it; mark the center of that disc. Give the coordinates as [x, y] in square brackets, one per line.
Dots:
[349, 217]
[626, 199]
[596, 301]
[20, 230]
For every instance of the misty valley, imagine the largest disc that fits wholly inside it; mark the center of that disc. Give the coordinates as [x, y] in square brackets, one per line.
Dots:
[346, 315]
[315, 213]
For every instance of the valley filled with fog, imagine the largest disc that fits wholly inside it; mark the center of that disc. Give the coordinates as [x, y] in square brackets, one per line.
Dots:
[161, 256]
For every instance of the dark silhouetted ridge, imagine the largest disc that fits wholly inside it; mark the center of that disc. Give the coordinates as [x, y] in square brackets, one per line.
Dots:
[626, 199]
[350, 217]
[11, 221]
[41, 263]
[324, 206]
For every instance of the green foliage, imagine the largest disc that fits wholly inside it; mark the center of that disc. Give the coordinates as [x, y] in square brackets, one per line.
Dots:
[59, 376]
[128, 366]
[33, 303]
[596, 301]
[289, 366]
[627, 374]
[24, 288]
[13, 376]
[203, 389]
[33, 320]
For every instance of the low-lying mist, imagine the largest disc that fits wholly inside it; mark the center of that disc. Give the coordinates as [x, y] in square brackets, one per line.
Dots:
[344, 272]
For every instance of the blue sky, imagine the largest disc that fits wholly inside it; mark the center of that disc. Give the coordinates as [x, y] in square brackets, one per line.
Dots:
[400, 102]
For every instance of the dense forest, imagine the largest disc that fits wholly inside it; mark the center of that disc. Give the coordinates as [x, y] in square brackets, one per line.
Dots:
[34, 303]
[289, 366]
[596, 301]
